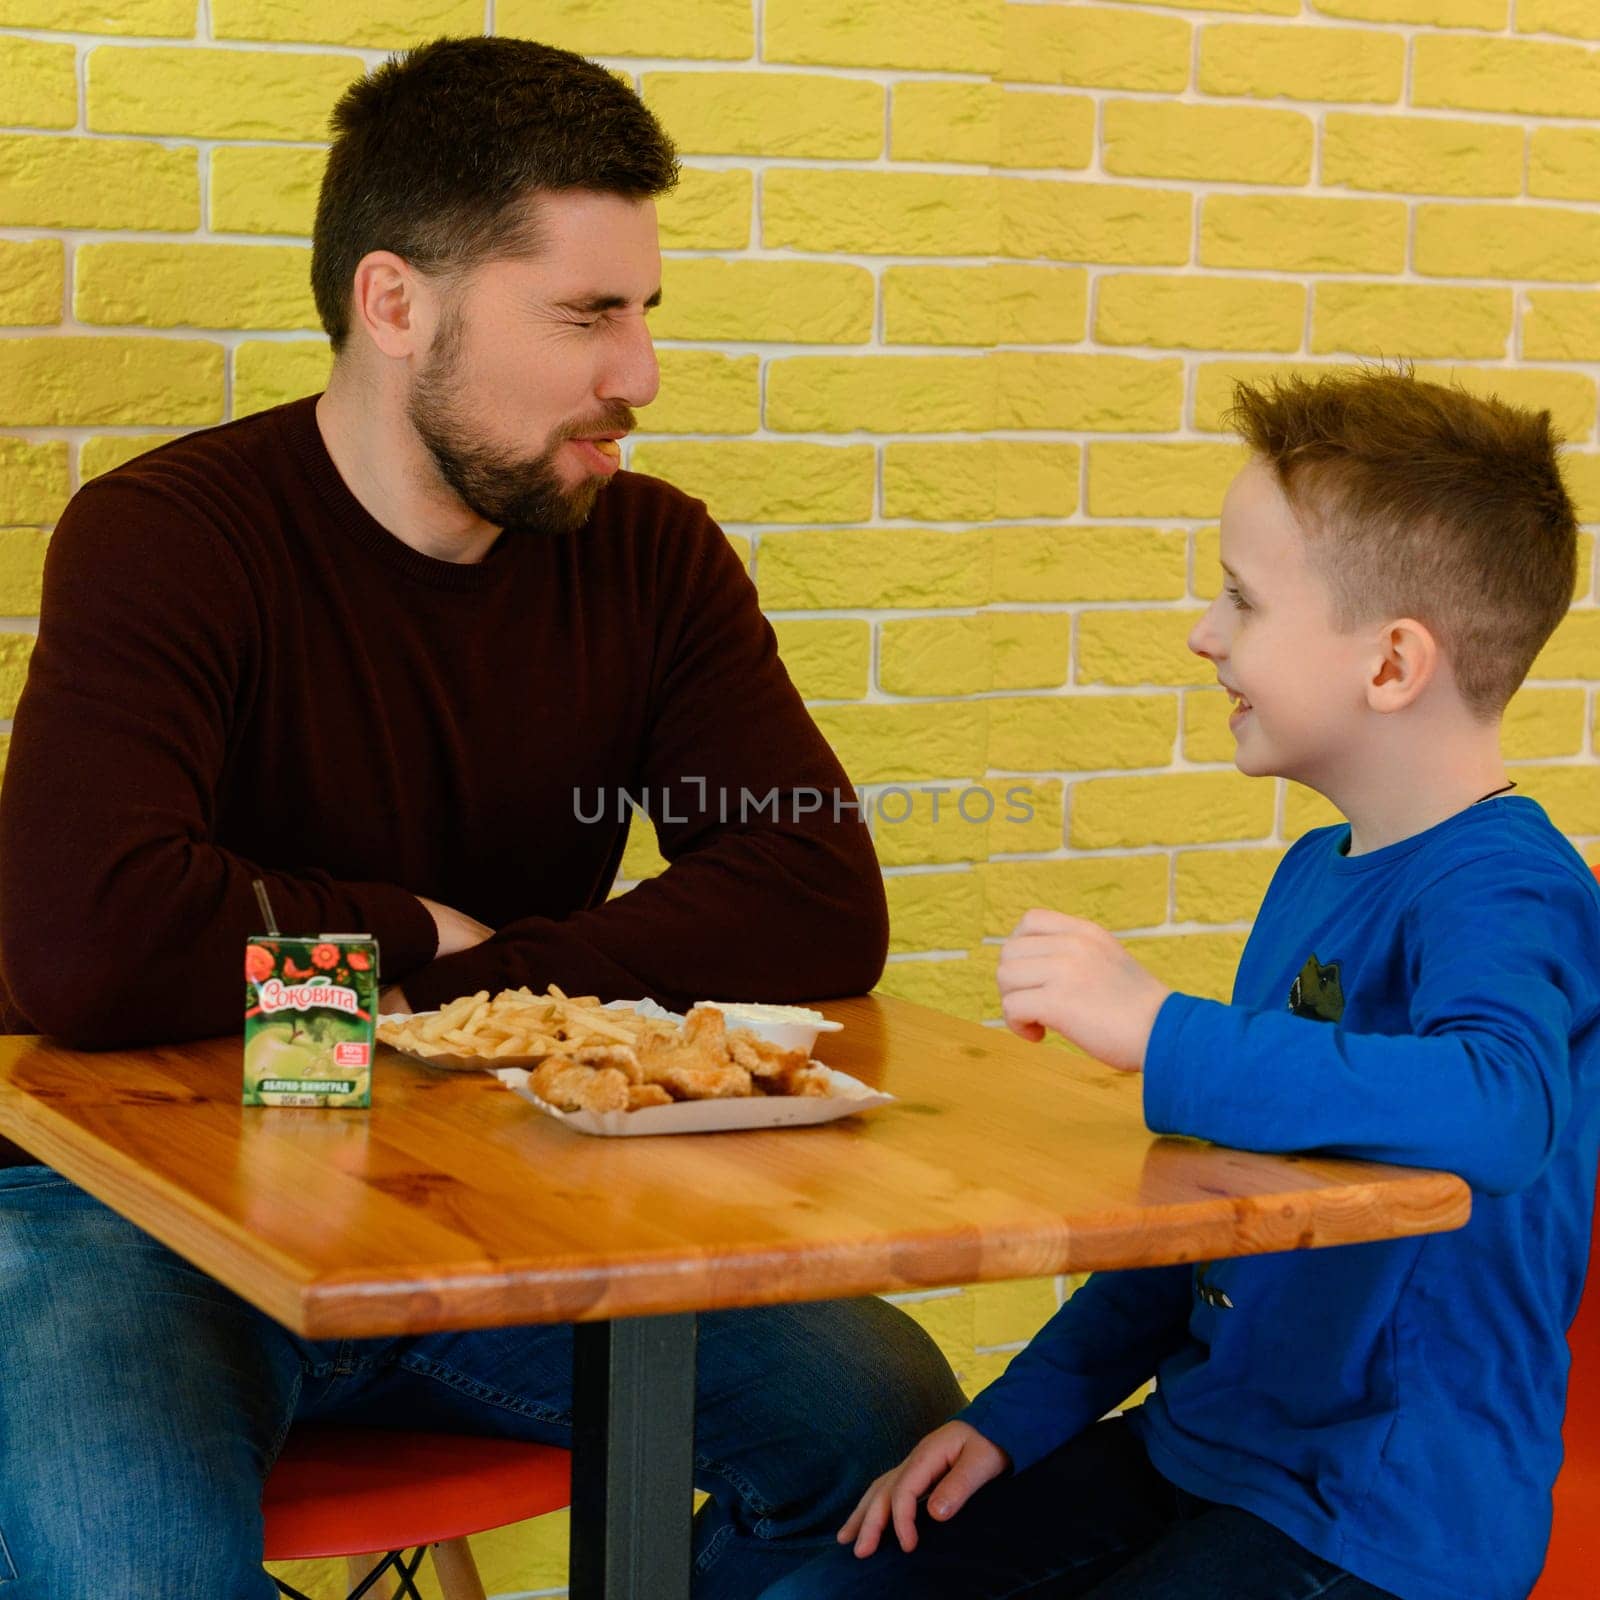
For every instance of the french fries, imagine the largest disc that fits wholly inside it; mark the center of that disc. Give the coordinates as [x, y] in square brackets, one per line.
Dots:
[586, 1058]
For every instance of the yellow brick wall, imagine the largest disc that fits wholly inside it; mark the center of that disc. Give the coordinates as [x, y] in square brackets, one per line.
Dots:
[955, 291]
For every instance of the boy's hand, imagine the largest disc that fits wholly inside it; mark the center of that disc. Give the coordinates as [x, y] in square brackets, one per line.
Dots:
[956, 1459]
[1065, 973]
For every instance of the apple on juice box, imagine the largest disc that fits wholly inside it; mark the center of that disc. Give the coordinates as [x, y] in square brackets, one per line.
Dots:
[310, 1008]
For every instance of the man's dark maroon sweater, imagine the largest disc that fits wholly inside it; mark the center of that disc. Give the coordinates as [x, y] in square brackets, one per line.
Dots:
[241, 674]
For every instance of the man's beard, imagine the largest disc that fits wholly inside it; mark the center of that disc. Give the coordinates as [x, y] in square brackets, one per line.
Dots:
[506, 490]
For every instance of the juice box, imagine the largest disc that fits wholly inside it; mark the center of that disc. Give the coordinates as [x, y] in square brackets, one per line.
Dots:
[310, 1007]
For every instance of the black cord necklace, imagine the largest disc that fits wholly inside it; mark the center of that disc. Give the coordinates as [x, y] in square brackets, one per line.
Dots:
[1493, 792]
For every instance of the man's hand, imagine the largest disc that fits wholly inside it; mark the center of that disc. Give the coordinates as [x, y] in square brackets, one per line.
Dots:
[393, 1001]
[1072, 976]
[956, 1459]
[456, 930]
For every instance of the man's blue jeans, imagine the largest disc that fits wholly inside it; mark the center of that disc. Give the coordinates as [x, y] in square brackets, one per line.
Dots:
[142, 1405]
[1092, 1520]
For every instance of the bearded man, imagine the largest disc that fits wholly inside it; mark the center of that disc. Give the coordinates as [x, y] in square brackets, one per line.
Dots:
[370, 647]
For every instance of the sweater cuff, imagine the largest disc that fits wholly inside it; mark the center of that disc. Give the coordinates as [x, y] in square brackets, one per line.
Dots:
[1013, 1426]
[435, 984]
[403, 927]
[1165, 1065]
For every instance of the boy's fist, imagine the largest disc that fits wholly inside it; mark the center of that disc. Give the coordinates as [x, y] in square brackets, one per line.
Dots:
[1072, 976]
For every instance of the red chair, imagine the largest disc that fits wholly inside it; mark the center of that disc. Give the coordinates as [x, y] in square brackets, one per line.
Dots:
[1572, 1566]
[373, 1495]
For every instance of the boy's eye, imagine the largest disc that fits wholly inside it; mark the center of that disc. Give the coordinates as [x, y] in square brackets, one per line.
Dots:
[1239, 601]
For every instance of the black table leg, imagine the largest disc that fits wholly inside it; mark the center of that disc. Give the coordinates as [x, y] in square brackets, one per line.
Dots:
[632, 1458]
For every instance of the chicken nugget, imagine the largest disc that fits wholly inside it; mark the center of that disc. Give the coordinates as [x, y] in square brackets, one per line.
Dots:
[801, 1080]
[571, 1087]
[641, 1095]
[706, 1027]
[676, 1049]
[620, 1056]
[685, 1082]
[763, 1059]
[692, 1069]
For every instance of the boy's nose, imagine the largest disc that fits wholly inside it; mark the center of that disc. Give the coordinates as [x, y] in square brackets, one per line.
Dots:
[1202, 638]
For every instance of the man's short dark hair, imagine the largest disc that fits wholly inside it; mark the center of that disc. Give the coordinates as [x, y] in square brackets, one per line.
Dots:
[435, 154]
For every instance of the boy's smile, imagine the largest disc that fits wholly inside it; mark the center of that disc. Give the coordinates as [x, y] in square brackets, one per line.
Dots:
[1241, 708]
[1294, 679]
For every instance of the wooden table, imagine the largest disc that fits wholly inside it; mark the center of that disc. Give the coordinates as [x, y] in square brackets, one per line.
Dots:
[453, 1204]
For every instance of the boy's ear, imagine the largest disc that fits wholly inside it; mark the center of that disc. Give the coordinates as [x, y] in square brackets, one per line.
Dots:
[1407, 659]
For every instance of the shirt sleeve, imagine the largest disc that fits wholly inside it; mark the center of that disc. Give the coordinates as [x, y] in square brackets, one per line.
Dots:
[1500, 962]
[1109, 1338]
[772, 890]
[121, 921]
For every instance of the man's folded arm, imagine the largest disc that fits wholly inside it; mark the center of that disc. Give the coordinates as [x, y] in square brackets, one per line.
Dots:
[772, 890]
[120, 922]
[746, 917]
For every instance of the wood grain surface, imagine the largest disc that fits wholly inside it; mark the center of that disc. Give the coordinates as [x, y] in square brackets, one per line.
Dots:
[454, 1204]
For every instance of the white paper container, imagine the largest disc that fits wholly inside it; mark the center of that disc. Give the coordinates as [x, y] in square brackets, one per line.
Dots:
[712, 1116]
[785, 1035]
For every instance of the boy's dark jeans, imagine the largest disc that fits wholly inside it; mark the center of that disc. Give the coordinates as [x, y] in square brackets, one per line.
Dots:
[1094, 1519]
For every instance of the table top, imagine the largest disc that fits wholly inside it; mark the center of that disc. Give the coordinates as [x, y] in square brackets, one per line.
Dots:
[453, 1203]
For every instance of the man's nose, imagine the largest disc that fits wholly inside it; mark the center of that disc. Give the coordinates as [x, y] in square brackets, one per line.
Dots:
[634, 374]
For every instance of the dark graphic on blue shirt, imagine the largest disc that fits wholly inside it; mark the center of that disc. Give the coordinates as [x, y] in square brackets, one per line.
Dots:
[1317, 992]
[1213, 1296]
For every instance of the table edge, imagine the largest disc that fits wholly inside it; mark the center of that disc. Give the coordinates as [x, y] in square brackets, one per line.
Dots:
[358, 1304]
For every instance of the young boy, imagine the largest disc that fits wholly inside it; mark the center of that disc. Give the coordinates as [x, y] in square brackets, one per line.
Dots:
[1421, 985]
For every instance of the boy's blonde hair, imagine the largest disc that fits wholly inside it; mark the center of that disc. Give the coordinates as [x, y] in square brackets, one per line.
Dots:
[1424, 501]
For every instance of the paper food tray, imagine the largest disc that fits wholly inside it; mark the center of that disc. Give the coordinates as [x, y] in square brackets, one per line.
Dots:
[712, 1116]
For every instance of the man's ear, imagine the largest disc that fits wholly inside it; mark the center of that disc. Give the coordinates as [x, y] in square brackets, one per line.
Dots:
[387, 302]
[1405, 661]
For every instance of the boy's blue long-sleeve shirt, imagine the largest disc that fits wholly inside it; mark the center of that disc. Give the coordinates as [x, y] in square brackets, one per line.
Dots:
[1395, 1407]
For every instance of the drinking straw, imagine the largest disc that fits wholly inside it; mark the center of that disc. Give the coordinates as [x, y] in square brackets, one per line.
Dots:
[266, 906]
